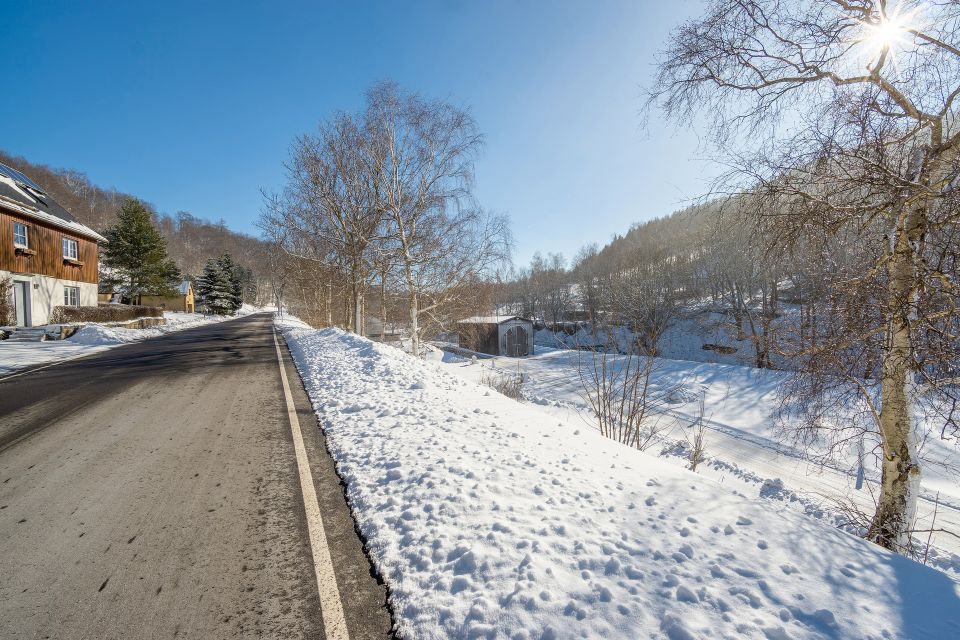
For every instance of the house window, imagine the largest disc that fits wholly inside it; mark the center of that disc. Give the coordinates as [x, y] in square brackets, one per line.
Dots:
[70, 248]
[20, 235]
[71, 296]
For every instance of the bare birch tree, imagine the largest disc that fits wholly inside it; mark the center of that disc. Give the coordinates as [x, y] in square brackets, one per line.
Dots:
[423, 152]
[854, 102]
[329, 211]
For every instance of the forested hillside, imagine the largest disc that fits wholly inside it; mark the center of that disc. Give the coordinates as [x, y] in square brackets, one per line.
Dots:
[191, 240]
[704, 260]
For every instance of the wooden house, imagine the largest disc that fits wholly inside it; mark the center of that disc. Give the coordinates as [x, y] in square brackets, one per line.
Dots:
[49, 257]
[497, 335]
[183, 301]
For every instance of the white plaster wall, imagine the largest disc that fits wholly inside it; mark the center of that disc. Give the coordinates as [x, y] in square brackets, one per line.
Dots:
[47, 293]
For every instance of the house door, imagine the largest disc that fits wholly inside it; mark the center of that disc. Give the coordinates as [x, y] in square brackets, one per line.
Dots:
[21, 302]
[516, 342]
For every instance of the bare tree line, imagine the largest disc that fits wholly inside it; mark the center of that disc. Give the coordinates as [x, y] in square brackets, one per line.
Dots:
[704, 258]
[381, 202]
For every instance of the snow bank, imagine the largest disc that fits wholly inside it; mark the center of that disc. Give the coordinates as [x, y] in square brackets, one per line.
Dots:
[488, 519]
[98, 334]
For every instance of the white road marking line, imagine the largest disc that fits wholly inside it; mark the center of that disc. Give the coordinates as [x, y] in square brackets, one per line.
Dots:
[334, 622]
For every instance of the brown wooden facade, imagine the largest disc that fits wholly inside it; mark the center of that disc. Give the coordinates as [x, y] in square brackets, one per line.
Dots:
[45, 254]
[483, 338]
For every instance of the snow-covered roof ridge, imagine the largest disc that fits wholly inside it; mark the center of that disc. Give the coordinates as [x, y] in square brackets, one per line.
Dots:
[489, 319]
[44, 209]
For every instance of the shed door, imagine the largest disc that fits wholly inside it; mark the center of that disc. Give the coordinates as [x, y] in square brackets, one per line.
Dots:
[516, 341]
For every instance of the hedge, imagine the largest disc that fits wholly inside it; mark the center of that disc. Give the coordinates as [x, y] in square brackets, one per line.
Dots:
[103, 313]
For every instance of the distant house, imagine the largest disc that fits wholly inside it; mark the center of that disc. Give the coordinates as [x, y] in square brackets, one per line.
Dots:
[497, 335]
[183, 301]
[50, 258]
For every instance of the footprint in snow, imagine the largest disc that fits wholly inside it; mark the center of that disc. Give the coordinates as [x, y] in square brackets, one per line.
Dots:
[686, 595]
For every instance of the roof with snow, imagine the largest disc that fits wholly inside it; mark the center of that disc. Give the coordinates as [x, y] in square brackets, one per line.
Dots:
[184, 287]
[33, 203]
[491, 319]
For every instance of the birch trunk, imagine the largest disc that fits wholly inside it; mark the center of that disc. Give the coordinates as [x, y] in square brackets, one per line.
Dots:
[383, 311]
[900, 479]
[358, 313]
[328, 307]
[414, 304]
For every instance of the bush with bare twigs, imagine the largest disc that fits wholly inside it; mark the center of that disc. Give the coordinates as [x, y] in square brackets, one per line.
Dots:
[509, 384]
[628, 407]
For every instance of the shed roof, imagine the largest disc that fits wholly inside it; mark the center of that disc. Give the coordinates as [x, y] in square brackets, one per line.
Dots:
[490, 319]
[184, 287]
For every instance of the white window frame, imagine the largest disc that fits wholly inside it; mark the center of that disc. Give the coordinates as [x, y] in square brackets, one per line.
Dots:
[71, 296]
[71, 249]
[26, 235]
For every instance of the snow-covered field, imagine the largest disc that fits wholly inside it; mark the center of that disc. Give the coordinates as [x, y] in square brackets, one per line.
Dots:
[490, 518]
[744, 451]
[90, 339]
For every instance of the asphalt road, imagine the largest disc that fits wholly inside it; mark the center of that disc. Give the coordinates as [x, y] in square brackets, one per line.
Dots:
[152, 491]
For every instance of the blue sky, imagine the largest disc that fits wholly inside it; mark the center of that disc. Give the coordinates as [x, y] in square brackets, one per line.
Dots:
[193, 105]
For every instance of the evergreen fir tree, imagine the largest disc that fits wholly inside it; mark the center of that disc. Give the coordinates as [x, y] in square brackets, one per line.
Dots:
[219, 286]
[235, 274]
[136, 254]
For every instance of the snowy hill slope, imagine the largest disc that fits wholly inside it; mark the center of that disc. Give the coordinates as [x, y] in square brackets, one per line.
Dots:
[490, 520]
[743, 446]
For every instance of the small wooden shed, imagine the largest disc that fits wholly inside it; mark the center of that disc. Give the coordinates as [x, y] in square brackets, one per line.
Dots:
[497, 335]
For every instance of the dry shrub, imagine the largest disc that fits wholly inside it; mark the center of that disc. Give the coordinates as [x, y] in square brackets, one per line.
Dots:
[6, 302]
[509, 384]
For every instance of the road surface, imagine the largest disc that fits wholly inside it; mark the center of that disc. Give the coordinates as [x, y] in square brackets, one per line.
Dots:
[152, 491]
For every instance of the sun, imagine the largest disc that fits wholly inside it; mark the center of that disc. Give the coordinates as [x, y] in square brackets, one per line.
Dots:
[890, 32]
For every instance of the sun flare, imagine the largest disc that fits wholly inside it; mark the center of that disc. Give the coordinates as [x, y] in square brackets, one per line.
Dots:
[889, 33]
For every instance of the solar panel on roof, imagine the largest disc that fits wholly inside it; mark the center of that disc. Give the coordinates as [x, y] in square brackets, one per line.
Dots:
[16, 176]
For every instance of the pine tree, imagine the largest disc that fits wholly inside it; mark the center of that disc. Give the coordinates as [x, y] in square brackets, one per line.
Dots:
[136, 254]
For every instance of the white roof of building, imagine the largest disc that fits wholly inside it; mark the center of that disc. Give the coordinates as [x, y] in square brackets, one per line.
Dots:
[490, 319]
[184, 287]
